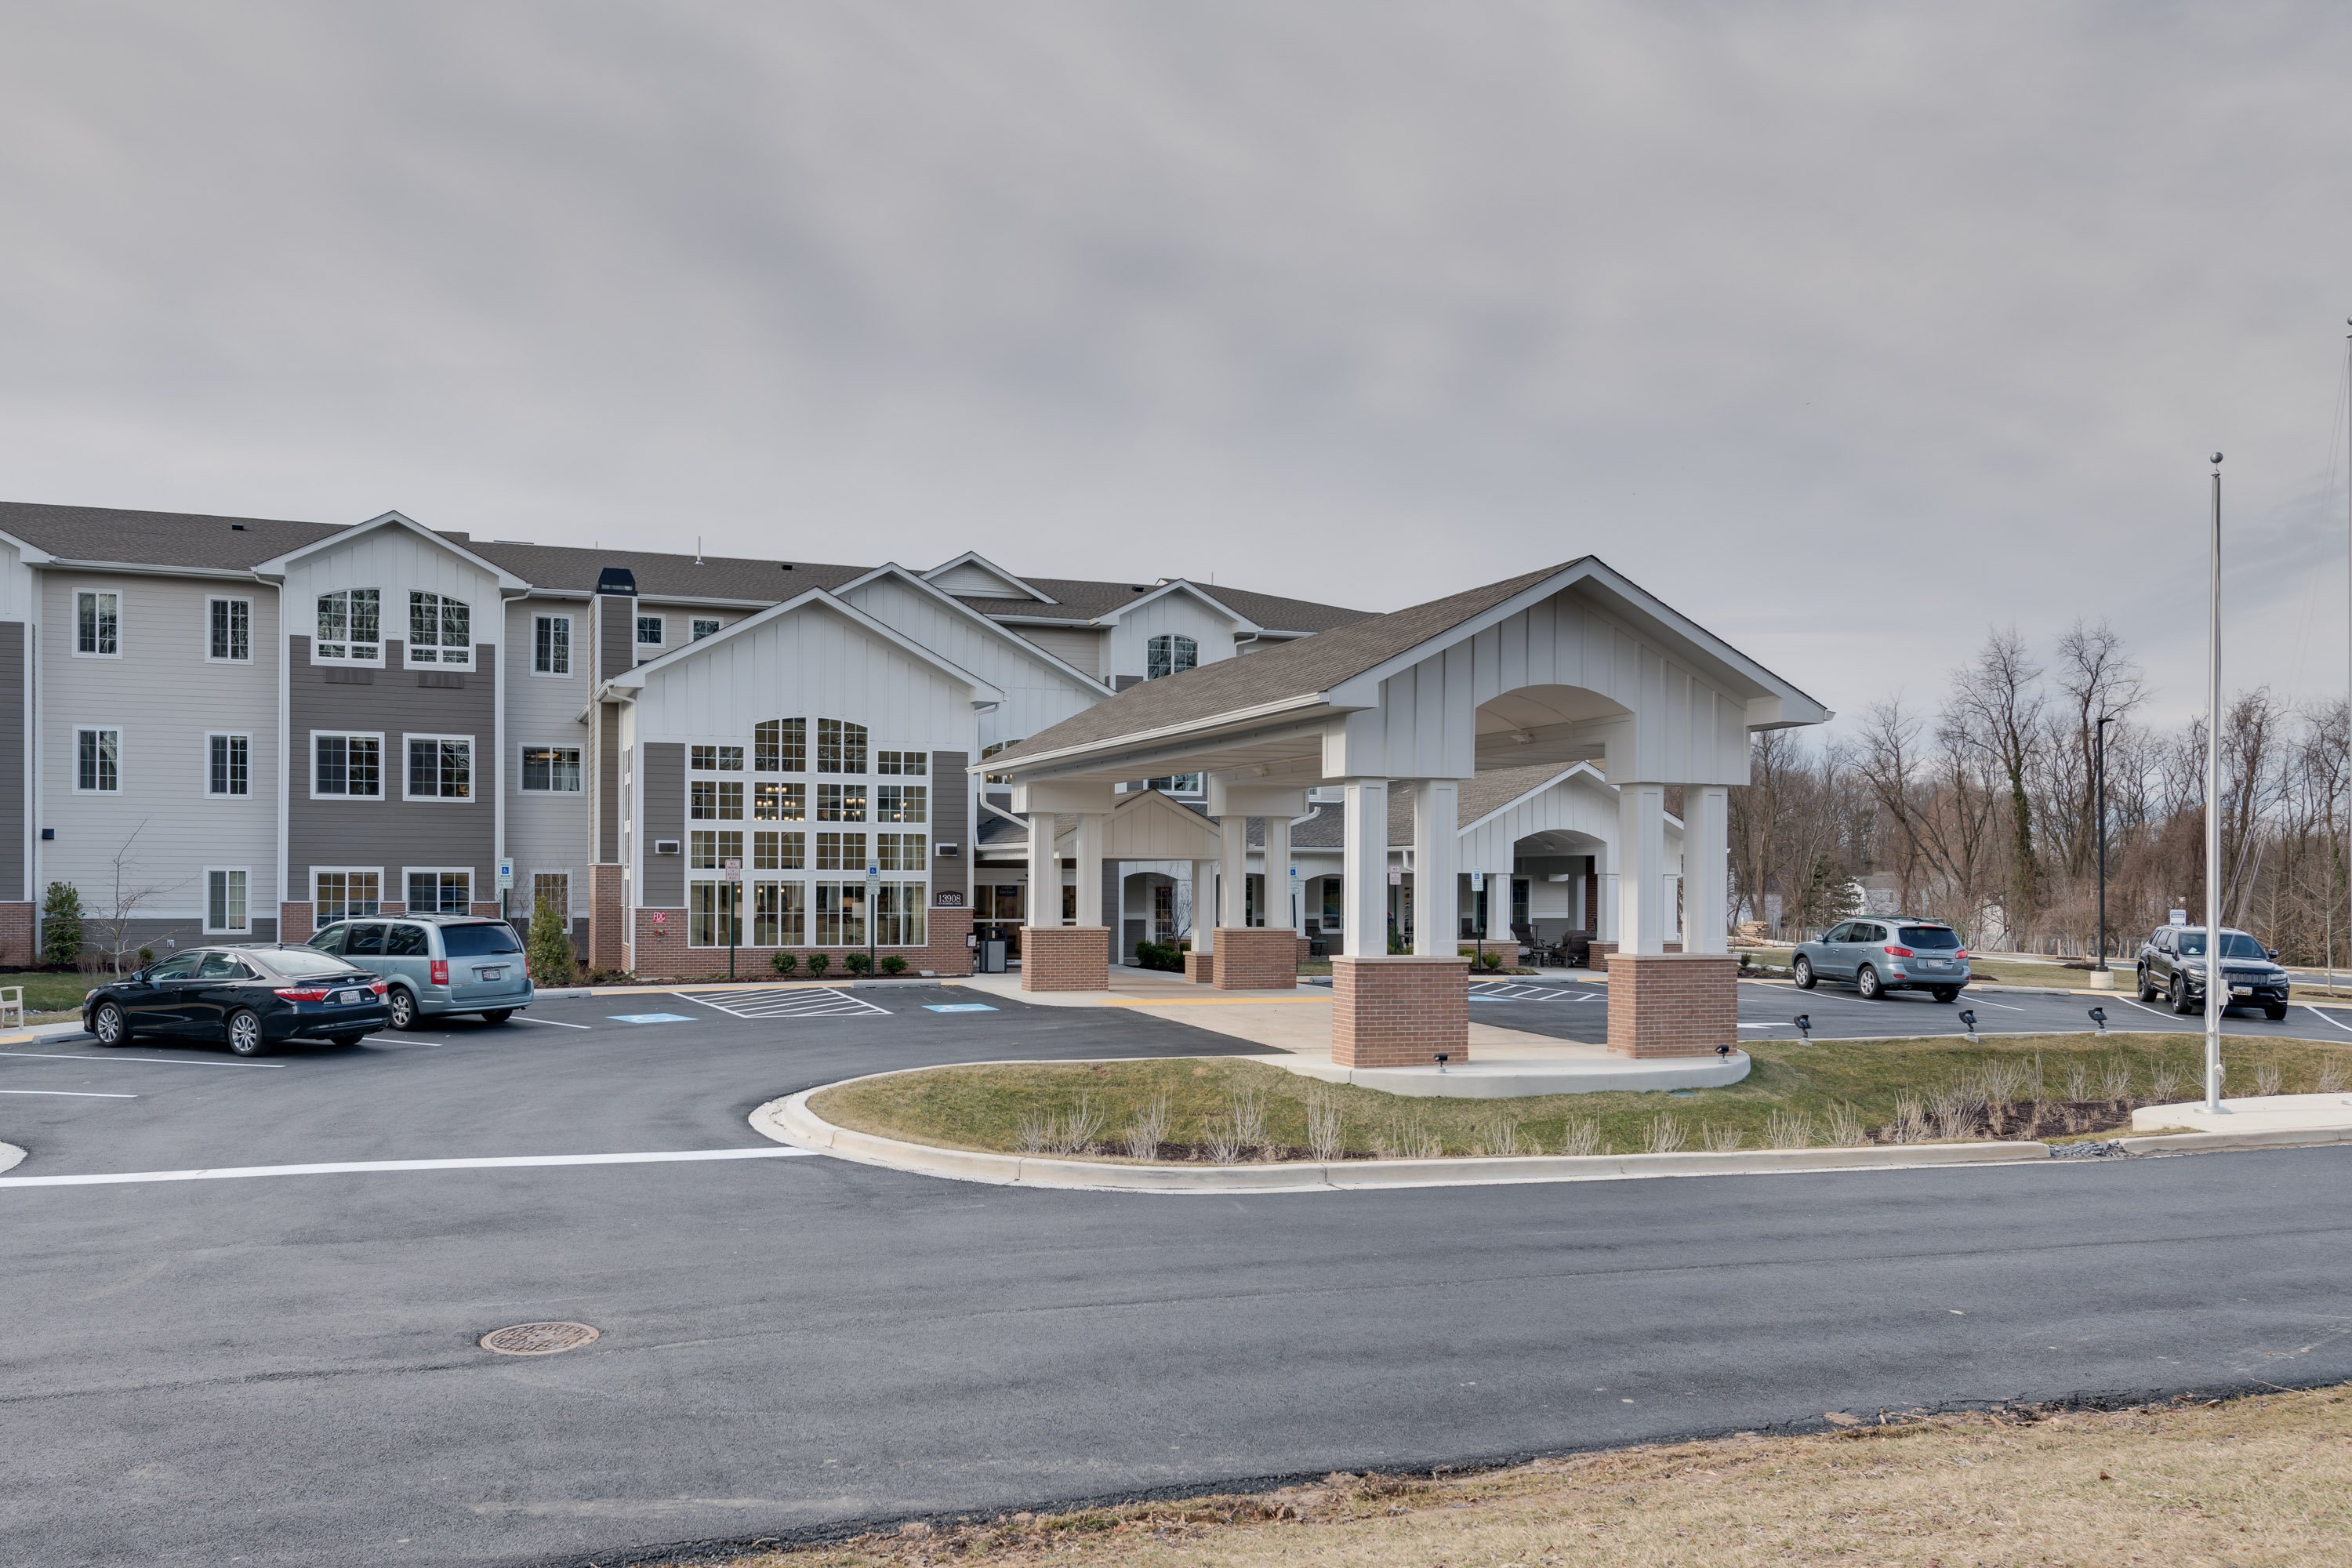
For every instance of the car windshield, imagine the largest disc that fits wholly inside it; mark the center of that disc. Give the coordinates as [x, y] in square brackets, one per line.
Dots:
[476, 940]
[304, 964]
[1934, 939]
[2234, 944]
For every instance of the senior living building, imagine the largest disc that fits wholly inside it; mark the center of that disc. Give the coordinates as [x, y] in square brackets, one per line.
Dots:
[223, 728]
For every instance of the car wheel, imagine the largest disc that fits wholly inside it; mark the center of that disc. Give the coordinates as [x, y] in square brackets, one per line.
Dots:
[404, 1008]
[1804, 972]
[244, 1033]
[345, 1039]
[2147, 986]
[1866, 982]
[1947, 992]
[2276, 1012]
[2179, 995]
[498, 1014]
[110, 1025]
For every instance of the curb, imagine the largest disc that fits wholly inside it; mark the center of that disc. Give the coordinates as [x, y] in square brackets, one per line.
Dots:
[790, 1120]
[2226, 1142]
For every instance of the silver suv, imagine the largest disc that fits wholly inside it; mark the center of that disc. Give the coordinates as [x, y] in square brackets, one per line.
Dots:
[437, 964]
[1886, 953]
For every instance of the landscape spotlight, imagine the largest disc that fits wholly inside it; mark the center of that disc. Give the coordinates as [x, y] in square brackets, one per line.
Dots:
[1443, 1056]
[2099, 1016]
[1723, 1049]
[1969, 1021]
[1805, 1024]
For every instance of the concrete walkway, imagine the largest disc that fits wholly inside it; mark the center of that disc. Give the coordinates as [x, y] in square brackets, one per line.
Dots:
[2267, 1113]
[1296, 1028]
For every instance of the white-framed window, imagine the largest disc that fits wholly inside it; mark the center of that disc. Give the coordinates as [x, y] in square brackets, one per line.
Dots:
[345, 893]
[705, 628]
[351, 626]
[899, 913]
[228, 631]
[1169, 654]
[228, 765]
[841, 802]
[552, 888]
[779, 914]
[553, 769]
[226, 913]
[439, 889]
[780, 746]
[440, 767]
[840, 746]
[709, 848]
[440, 630]
[779, 851]
[1176, 783]
[841, 852]
[911, 764]
[97, 624]
[550, 645]
[97, 759]
[772, 801]
[714, 914]
[714, 800]
[649, 631]
[346, 765]
[841, 914]
[715, 758]
[902, 803]
[902, 851]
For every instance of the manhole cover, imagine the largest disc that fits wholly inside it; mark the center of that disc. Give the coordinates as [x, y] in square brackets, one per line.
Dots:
[537, 1339]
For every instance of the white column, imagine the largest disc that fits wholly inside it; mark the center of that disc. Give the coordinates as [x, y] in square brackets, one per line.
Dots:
[1604, 873]
[1707, 867]
[1364, 868]
[1642, 867]
[1045, 871]
[1204, 906]
[1436, 859]
[1089, 848]
[1232, 889]
[1280, 908]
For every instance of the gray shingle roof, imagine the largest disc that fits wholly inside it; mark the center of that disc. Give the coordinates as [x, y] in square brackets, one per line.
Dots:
[1292, 670]
[1079, 600]
[157, 538]
[574, 568]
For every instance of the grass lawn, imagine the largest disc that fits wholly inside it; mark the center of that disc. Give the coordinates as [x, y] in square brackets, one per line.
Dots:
[985, 1107]
[2260, 1480]
[48, 996]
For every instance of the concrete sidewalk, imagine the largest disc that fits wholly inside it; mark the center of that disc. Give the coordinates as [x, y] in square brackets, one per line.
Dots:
[2267, 1113]
[1295, 1029]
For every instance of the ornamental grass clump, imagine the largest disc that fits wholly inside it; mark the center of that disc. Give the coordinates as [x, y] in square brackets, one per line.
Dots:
[1665, 1134]
[1327, 1124]
[1148, 1130]
[1788, 1129]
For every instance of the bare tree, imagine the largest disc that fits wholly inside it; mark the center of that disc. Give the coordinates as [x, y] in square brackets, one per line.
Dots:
[1996, 706]
[114, 923]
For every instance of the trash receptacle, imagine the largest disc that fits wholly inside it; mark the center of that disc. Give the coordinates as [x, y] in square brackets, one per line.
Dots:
[992, 955]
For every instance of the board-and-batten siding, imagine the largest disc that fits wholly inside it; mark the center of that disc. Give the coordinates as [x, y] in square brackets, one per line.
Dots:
[165, 699]
[547, 832]
[1036, 695]
[1081, 647]
[397, 562]
[972, 580]
[1177, 614]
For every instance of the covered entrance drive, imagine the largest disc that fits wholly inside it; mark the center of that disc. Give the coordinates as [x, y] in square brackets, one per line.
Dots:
[1572, 663]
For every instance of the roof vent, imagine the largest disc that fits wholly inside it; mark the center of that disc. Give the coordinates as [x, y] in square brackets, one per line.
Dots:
[236, 528]
[617, 580]
[1138, 588]
[785, 564]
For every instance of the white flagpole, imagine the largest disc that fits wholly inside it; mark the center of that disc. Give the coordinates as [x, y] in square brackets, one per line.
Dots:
[2214, 996]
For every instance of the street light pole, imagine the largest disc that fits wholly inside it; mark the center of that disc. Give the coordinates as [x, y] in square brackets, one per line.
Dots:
[2214, 996]
[2100, 805]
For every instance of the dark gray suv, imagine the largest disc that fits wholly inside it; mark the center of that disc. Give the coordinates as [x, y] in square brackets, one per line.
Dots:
[2172, 966]
[1886, 953]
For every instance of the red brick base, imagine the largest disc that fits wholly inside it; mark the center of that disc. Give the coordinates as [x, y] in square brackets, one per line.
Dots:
[1598, 958]
[662, 953]
[1256, 958]
[1201, 968]
[607, 936]
[1398, 1012]
[17, 934]
[1672, 1003]
[1064, 958]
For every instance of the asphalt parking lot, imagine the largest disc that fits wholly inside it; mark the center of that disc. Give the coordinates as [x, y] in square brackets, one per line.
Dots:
[1768, 1010]
[284, 1369]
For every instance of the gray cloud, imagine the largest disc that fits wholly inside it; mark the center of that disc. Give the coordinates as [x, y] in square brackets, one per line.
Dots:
[1847, 330]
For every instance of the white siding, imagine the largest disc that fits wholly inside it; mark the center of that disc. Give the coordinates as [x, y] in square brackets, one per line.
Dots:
[1035, 694]
[972, 580]
[1178, 613]
[1079, 646]
[397, 561]
[165, 699]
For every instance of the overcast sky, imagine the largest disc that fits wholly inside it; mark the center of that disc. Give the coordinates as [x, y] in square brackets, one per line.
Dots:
[1846, 331]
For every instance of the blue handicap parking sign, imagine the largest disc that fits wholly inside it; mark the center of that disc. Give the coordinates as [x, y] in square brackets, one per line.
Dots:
[957, 1007]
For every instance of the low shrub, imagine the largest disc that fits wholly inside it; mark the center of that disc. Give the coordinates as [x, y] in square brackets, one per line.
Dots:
[1160, 955]
[784, 963]
[818, 963]
[893, 964]
[859, 964]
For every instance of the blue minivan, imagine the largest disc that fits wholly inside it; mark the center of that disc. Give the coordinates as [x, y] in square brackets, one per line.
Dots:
[437, 964]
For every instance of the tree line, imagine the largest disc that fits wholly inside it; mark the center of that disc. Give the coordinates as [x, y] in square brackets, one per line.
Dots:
[1982, 808]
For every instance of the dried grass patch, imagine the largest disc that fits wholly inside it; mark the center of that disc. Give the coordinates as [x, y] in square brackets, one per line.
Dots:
[2256, 1480]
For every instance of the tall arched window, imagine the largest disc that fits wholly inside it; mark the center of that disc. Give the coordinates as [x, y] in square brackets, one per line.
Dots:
[1170, 655]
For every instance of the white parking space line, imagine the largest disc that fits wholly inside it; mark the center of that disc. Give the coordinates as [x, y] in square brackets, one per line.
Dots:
[823, 1003]
[1525, 992]
[550, 1023]
[70, 1093]
[361, 1167]
[110, 1056]
[2145, 1008]
[1980, 1002]
[2323, 1017]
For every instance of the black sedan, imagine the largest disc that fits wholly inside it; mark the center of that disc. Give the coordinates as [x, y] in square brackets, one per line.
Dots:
[250, 997]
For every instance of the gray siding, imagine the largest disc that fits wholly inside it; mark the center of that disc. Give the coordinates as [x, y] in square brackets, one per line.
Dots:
[950, 822]
[616, 635]
[608, 783]
[661, 783]
[391, 833]
[13, 882]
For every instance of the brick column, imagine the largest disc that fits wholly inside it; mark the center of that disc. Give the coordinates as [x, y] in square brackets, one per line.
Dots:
[1399, 1012]
[17, 924]
[296, 922]
[1672, 1003]
[604, 933]
[1256, 958]
[1201, 968]
[1064, 958]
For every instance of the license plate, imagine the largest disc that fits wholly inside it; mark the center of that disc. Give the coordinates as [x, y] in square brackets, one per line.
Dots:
[1935, 964]
[498, 973]
[2242, 991]
[347, 996]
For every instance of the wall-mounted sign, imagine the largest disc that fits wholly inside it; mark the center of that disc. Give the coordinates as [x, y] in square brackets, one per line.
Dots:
[945, 899]
[661, 919]
[1396, 876]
